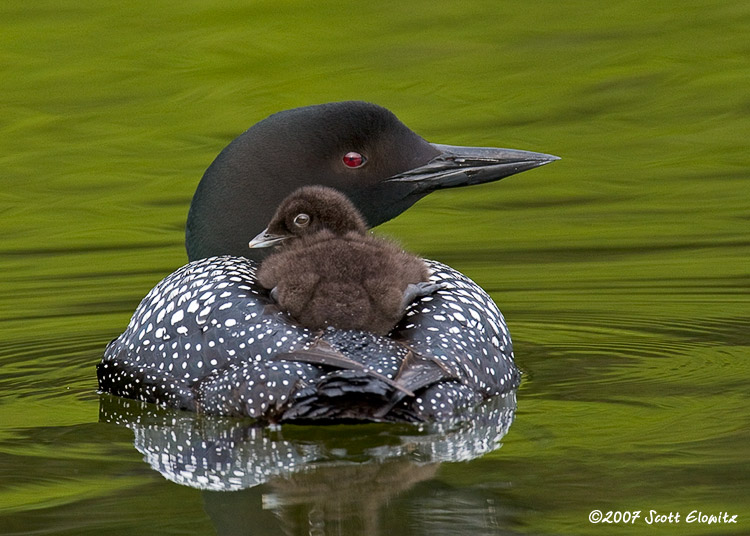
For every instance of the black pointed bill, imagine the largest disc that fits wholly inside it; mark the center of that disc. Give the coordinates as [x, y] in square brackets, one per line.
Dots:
[266, 239]
[463, 166]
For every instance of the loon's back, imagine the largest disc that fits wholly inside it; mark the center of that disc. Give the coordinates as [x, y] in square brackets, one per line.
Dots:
[204, 339]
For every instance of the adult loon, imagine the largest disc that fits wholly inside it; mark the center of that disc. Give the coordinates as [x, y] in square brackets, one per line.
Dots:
[204, 338]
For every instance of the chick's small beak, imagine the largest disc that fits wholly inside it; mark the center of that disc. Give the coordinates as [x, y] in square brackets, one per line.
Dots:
[266, 239]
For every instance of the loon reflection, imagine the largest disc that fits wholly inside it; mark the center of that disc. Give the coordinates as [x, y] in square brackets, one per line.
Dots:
[323, 480]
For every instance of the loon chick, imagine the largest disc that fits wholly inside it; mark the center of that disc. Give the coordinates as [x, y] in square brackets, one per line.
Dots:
[202, 339]
[331, 271]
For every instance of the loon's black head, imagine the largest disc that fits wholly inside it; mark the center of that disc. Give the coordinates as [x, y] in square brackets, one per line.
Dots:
[310, 210]
[358, 148]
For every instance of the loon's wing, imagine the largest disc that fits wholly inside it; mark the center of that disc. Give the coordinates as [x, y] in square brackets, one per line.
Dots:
[321, 353]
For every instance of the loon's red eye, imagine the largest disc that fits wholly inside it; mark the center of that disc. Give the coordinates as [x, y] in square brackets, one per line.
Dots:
[354, 160]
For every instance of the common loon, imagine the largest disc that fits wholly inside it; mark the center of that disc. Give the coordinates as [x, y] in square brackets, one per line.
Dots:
[331, 271]
[204, 338]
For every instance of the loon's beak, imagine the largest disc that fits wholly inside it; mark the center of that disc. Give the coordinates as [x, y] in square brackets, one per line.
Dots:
[266, 239]
[463, 166]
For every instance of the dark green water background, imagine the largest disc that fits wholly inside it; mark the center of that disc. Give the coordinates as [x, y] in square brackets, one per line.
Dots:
[623, 269]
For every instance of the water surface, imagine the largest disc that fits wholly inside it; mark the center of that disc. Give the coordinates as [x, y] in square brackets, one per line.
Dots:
[622, 269]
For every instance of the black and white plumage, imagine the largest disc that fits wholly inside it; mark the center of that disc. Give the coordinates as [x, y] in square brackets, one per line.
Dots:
[205, 339]
[202, 340]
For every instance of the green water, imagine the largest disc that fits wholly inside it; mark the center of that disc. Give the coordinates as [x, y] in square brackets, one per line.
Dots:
[623, 269]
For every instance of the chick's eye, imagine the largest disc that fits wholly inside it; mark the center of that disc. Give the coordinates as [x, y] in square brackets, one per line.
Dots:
[301, 220]
[353, 159]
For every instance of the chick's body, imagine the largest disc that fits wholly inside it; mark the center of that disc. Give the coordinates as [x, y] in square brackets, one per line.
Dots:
[349, 281]
[330, 271]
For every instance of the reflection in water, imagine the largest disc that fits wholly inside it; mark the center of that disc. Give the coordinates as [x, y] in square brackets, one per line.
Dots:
[306, 479]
